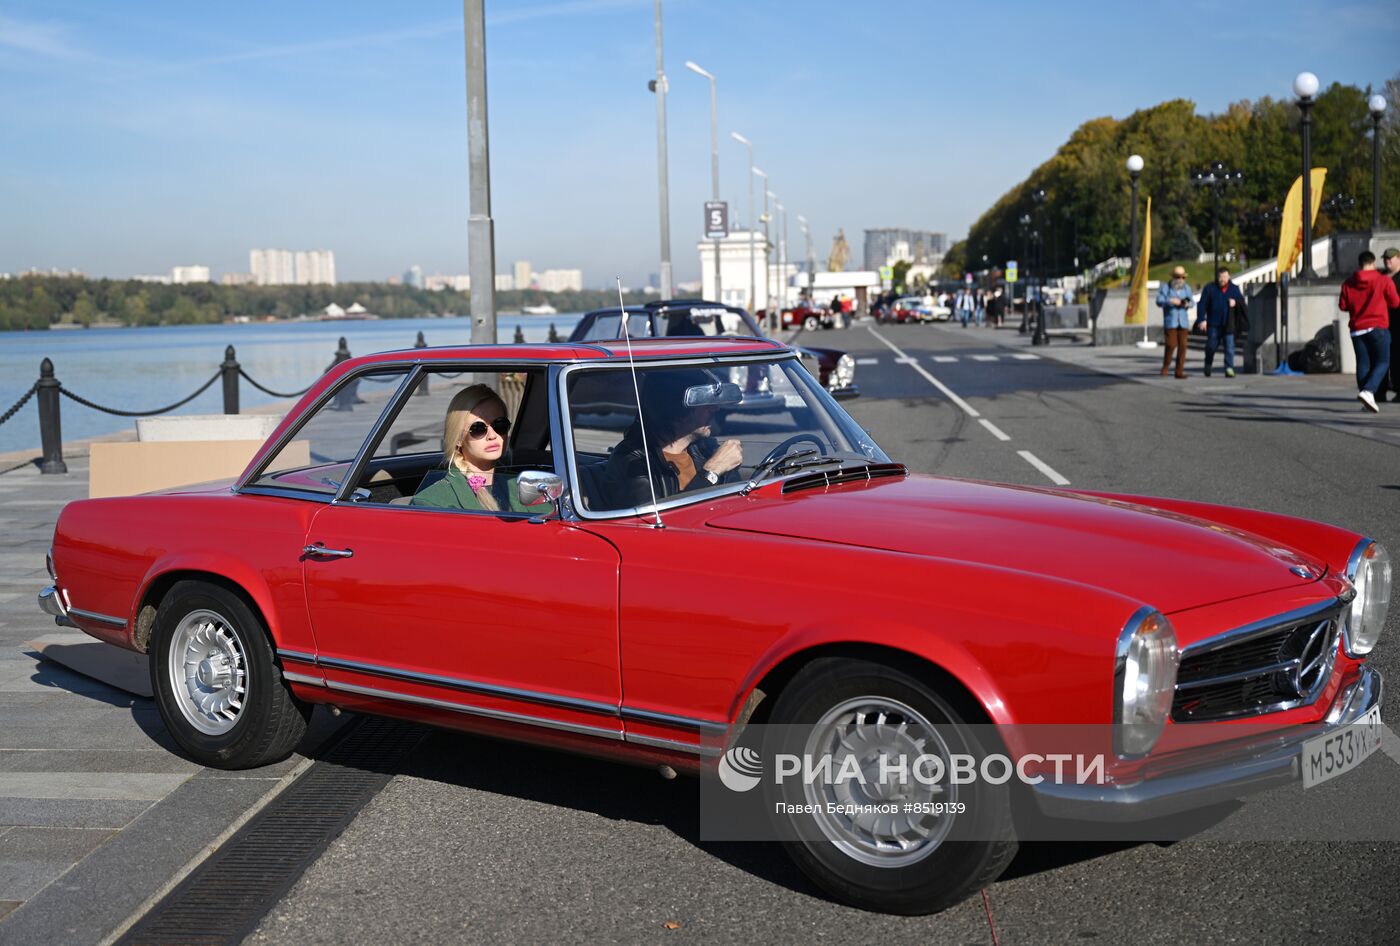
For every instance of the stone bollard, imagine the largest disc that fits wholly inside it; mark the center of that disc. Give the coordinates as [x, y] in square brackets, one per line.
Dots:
[553, 333]
[519, 335]
[229, 369]
[50, 423]
[346, 398]
[423, 384]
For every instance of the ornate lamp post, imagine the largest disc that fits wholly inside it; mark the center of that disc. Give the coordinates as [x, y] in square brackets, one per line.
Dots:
[1215, 177]
[1135, 164]
[1040, 337]
[1377, 105]
[1305, 87]
[1025, 230]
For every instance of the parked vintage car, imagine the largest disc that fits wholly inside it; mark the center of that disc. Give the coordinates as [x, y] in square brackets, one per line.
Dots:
[808, 317]
[681, 317]
[635, 613]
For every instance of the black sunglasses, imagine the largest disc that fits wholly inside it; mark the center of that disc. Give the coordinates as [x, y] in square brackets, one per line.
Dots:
[500, 425]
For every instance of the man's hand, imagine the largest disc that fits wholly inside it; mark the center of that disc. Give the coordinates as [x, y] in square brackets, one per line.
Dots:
[729, 455]
[1200, 325]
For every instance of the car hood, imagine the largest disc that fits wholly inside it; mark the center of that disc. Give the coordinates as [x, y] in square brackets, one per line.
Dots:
[825, 356]
[1164, 559]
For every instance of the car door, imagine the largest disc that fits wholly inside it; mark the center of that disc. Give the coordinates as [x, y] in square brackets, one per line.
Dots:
[499, 615]
[490, 615]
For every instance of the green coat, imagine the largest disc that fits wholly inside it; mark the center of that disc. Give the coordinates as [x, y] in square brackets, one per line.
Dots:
[452, 492]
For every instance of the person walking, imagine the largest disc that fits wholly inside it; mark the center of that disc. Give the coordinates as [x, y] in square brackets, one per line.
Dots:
[996, 306]
[966, 305]
[1367, 297]
[1175, 297]
[1216, 314]
[1392, 268]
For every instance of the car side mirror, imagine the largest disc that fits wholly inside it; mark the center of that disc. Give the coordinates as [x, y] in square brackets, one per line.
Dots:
[538, 487]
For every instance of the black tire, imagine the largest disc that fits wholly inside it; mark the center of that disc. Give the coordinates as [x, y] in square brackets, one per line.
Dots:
[270, 722]
[811, 323]
[980, 844]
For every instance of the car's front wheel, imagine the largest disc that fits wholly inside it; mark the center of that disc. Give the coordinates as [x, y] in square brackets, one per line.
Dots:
[881, 839]
[811, 323]
[216, 685]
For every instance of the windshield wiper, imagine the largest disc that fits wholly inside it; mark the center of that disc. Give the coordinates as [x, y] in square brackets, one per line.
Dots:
[763, 468]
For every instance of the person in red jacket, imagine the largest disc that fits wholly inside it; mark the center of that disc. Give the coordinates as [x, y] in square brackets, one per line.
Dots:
[1368, 296]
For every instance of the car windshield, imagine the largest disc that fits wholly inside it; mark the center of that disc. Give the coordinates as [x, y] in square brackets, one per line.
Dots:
[677, 321]
[608, 325]
[708, 429]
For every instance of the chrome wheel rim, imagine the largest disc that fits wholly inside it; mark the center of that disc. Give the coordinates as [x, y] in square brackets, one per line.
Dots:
[867, 729]
[208, 672]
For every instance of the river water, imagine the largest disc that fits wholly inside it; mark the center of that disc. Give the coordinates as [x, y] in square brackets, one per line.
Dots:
[145, 368]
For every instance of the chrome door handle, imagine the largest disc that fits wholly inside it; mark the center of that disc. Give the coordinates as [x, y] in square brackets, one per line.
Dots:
[322, 550]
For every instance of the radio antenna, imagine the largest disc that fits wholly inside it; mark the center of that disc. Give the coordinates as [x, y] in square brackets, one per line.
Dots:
[637, 394]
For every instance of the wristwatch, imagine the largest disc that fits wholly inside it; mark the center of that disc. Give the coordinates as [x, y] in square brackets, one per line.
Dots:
[713, 477]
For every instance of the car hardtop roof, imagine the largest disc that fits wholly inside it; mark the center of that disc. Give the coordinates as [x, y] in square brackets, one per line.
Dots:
[666, 346]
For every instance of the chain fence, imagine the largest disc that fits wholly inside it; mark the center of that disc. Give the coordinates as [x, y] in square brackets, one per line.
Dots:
[24, 399]
[160, 410]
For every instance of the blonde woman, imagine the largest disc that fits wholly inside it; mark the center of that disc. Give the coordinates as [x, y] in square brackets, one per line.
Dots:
[473, 437]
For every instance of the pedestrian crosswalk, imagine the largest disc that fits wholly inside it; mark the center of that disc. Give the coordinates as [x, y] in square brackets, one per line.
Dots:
[953, 359]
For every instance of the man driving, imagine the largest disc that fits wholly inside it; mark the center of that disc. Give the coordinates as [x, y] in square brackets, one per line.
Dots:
[678, 408]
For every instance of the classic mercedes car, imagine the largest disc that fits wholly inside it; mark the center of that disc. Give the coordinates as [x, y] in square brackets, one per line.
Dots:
[621, 599]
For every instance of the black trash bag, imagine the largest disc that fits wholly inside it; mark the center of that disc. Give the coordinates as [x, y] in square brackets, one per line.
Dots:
[1319, 355]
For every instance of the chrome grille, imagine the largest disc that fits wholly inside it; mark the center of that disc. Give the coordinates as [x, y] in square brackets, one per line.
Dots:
[1257, 670]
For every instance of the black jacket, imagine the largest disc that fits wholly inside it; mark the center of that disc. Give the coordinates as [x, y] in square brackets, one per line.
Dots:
[627, 470]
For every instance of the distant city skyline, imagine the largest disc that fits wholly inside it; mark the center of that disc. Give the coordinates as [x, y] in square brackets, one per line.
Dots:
[146, 135]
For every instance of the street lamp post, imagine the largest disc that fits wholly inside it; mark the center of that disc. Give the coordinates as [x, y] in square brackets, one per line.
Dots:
[782, 258]
[1025, 229]
[714, 160]
[1041, 337]
[658, 85]
[1215, 177]
[811, 262]
[753, 280]
[1135, 164]
[767, 289]
[481, 232]
[1305, 87]
[1377, 105]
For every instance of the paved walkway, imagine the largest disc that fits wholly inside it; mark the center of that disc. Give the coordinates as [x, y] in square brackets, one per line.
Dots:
[97, 810]
[1328, 400]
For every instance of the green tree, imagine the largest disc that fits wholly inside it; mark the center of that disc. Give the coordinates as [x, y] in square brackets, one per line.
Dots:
[84, 310]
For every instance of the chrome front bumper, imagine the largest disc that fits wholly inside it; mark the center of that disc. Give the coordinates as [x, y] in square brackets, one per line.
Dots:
[1261, 764]
[51, 602]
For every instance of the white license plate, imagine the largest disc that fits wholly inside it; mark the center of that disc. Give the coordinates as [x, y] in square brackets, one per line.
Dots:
[1326, 757]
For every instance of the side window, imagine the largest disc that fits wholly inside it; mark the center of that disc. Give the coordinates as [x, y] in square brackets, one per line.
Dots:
[322, 449]
[411, 456]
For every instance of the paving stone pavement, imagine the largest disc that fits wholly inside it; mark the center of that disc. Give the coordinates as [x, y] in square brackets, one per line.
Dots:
[90, 783]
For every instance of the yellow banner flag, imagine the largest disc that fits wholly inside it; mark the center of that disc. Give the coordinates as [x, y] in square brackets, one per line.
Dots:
[1290, 227]
[1137, 290]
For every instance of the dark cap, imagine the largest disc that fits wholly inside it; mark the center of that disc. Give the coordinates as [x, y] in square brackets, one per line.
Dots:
[1393, 251]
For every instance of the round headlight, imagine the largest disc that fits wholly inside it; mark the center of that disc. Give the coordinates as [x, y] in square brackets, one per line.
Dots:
[1370, 573]
[1144, 682]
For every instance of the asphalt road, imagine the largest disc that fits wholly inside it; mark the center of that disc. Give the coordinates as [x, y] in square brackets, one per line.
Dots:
[481, 841]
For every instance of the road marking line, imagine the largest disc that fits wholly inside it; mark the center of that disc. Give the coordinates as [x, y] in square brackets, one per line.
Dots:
[1043, 467]
[945, 359]
[867, 361]
[984, 357]
[905, 359]
[996, 431]
[1026, 357]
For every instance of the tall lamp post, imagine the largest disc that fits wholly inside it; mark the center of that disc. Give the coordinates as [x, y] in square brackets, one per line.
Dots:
[811, 262]
[753, 276]
[1041, 337]
[714, 159]
[781, 234]
[1305, 87]
[1377, 105]
[481, 232]
[1025, 230]
[658, 86]
[1134, 164]
[767, 289]
[1215, 177]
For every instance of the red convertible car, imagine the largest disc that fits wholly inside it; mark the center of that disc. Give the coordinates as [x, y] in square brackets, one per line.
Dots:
[621, 600]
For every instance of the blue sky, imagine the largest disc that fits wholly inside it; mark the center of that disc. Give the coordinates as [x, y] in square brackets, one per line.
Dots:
[139, 135]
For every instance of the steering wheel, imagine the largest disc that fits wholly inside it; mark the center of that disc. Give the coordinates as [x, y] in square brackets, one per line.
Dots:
[782, 448]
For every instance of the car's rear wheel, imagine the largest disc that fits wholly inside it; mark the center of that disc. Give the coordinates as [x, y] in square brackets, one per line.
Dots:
[878, 841]
[811, 323]
[216, 685]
